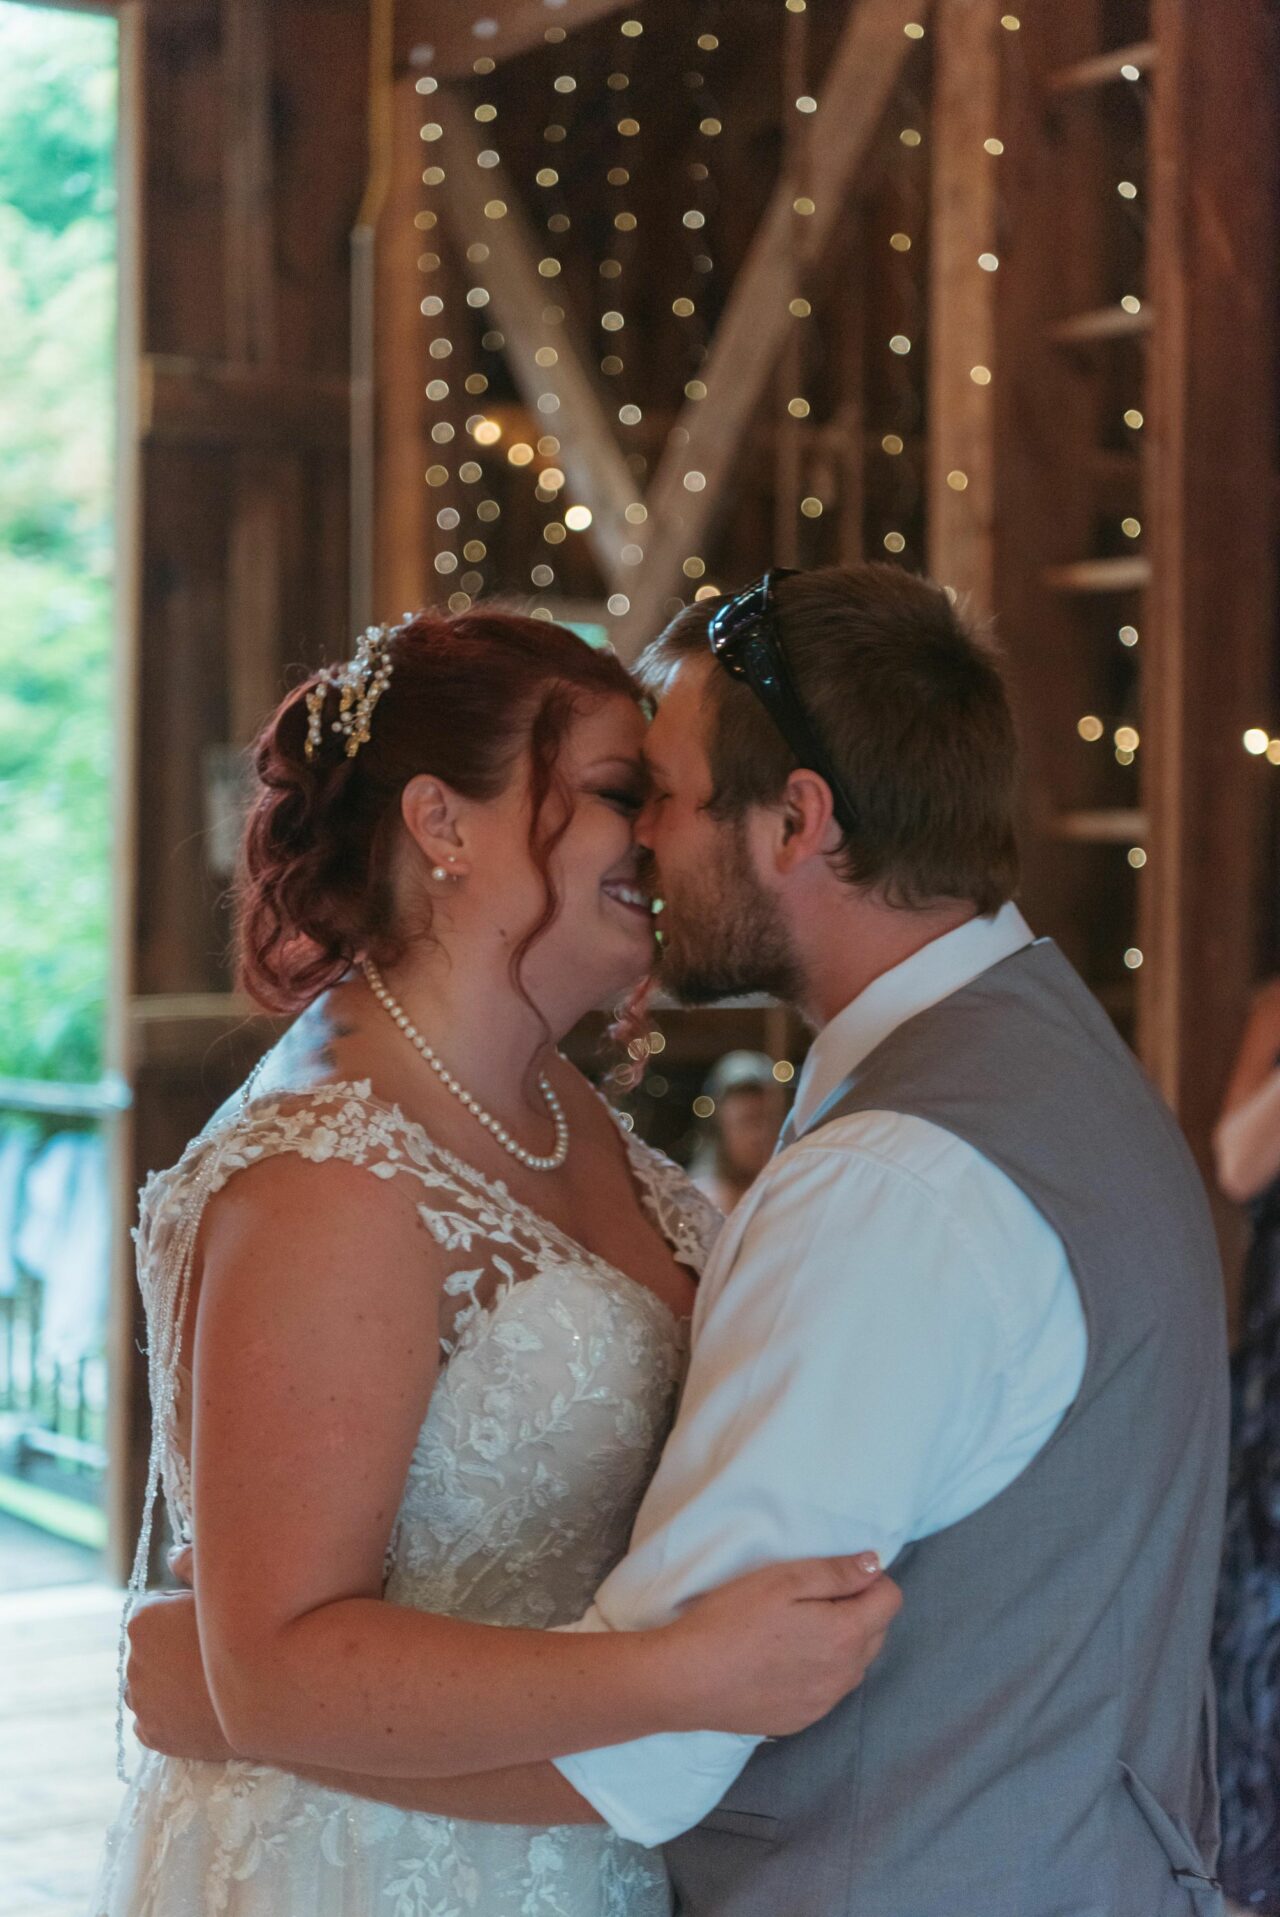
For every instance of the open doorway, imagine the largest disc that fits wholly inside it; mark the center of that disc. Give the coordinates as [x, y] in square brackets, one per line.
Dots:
[58, 307]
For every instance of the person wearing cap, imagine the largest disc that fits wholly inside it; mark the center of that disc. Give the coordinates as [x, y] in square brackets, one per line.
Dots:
[740, 1132]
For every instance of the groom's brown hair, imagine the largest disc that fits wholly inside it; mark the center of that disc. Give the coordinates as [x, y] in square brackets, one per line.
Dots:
[907, 699]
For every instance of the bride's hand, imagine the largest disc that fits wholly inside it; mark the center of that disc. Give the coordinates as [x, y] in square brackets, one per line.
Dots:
[165, 1684]
[775, 1650]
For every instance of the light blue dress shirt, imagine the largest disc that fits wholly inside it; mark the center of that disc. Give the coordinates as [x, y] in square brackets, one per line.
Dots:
[885, 1336]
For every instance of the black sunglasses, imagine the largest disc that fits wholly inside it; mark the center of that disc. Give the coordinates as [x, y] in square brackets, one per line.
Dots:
[745, 636]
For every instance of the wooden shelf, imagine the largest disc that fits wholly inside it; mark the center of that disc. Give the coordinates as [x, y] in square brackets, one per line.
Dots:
[1102, 68]
[1099, 575]
[1112, 826]
[194, 402]
[1103, 323]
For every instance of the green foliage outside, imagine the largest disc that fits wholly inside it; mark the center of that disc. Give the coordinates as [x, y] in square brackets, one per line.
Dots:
[57, 381]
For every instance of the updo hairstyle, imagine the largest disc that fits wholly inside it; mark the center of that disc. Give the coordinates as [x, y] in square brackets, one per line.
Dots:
[468, 695]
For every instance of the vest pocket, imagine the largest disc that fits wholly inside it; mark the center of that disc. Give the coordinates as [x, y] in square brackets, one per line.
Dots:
[1172, 1835]
[744, 1824]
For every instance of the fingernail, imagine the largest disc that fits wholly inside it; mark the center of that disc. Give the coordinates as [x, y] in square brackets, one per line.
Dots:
[868, 1562]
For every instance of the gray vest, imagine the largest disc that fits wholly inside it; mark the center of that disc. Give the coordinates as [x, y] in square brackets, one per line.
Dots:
[1037, 1738]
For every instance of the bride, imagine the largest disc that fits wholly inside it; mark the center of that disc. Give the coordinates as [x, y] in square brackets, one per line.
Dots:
[417, 1310]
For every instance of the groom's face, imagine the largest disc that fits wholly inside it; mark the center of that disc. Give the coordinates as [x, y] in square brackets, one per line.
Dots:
[723, 928]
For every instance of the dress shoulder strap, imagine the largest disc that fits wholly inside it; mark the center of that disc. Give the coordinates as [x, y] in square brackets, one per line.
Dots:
[685, 1216]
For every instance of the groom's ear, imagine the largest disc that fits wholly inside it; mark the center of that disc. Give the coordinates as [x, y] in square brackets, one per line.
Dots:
[807, 826]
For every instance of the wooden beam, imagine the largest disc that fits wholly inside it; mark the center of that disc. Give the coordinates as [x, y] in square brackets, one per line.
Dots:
[962, 299]
[445, 37]
[198, 402]
[590, 456]
[692, 481]
[1211, 422]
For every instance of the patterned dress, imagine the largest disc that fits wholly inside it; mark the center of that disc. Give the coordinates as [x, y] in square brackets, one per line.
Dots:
[1246, 1647]
[555, 1397]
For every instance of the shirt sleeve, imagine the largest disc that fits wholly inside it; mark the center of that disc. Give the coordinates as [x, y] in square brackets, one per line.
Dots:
[849, 1364]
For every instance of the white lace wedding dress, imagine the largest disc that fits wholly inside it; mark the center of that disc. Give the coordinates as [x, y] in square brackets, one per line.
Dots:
[557, 1390]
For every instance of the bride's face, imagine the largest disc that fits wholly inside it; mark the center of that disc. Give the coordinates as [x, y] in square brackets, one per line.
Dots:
[602, 940]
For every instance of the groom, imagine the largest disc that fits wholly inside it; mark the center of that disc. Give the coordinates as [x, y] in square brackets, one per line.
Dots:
[969, 1317]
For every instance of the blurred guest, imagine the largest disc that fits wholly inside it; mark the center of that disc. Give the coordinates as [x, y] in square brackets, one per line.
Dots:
[1247, 1630]
[741, 1133]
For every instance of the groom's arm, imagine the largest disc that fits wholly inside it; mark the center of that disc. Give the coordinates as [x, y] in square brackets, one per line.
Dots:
[850, 1388]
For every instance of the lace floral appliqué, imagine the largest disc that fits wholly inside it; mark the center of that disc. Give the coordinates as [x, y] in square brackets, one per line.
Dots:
[555, 1397]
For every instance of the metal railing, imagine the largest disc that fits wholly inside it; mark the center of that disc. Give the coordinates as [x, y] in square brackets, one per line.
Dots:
[55, 1255]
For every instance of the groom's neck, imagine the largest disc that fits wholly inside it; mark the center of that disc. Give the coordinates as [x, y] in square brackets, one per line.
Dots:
[857, 939]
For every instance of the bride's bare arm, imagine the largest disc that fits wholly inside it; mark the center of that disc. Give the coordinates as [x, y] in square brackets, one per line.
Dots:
[731, 1628]
[315, 1355]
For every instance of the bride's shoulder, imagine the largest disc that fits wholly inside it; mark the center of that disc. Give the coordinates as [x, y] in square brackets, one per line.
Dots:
[327, 1121]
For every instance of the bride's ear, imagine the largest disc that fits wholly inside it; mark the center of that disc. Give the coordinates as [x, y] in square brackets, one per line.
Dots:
[432, 814]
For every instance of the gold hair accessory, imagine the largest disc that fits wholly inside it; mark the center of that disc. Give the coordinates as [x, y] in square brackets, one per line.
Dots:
[360, 683]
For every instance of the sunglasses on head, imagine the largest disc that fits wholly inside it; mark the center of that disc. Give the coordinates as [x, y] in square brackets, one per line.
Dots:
[745, 637]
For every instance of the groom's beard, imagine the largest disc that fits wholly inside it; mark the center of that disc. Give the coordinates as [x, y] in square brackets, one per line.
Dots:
[723, 933]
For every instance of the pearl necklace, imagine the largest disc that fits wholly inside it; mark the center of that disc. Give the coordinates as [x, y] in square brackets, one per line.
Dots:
[473, 1105]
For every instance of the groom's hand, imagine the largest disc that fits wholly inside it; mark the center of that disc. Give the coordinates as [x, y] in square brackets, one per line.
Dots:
[165, 1684]
[182, 1566]
[776, 1649]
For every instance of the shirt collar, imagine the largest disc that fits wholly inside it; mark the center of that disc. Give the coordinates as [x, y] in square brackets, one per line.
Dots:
[929, 975]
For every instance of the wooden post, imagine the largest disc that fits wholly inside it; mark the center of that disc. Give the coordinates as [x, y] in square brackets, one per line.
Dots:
[1212, 605]
[127, 1406]
[962, 299]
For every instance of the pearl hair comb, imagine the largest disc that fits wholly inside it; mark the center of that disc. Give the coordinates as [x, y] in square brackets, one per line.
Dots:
[360, 683]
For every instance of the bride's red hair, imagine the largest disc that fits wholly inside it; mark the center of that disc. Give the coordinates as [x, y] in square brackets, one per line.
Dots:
[469, 693]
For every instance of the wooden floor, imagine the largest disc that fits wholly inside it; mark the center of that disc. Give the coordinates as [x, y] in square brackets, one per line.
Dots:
[58, 1788]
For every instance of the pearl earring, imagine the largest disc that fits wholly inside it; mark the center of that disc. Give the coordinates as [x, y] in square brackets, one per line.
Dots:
[439, 874]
